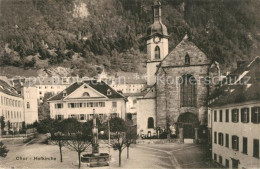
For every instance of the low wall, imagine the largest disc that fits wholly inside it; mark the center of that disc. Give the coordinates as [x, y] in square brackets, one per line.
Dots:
[158, 141]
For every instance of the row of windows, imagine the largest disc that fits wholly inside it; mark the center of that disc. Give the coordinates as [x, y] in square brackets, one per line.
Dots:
[12, 114]
[88, 104]
[244, 115]
[46, 87]
[220, 160]
[128, 85]
[84, 116]
[10, 102]
[235, 143]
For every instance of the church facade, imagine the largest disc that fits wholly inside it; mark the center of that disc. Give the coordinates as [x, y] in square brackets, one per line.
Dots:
[176, 83]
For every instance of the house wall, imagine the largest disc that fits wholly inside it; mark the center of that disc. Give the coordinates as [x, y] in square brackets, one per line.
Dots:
[30, 98]
[87, 111]
[12, 109]
[128, 88]
[42, 89]
[168, 94]
[146, 108]
[249, 130]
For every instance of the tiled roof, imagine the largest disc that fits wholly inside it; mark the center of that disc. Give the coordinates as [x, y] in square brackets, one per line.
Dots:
[101, 87]
[246, 88]
[7, 89]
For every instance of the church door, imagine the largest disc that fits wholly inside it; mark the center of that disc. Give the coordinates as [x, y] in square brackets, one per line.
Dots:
[188, 131]
[188, 121]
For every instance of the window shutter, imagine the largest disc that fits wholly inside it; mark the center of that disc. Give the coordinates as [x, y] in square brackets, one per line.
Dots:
[253, 115]
[247, 115]
[233, 142]
[237, 143]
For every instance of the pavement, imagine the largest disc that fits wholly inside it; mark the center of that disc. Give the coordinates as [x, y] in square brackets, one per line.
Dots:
[171, 155]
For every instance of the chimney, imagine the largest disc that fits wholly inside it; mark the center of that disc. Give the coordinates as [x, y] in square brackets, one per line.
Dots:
[240, 63]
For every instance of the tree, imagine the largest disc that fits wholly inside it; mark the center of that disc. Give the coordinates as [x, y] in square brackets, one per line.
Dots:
[71, 126]
[46, 126]
[79, 143]
[58, 137]
[44, 107]
[118, 135]
[8, 125]
[130, 138]
[2, 121]
[3, 150]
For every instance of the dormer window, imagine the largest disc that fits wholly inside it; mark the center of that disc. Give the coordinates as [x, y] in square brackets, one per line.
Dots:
[109, 93]
[157, 52]
[187, 59]
[64, 93]
[85, 94]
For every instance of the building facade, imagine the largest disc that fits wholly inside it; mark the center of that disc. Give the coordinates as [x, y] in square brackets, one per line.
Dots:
[234, 118]
[235, 135]
[30, 104]
[177, 80]
[11, 107]
[127, 83]
[79, 101]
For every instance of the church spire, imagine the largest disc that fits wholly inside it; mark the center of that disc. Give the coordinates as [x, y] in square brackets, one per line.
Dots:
[157, 28]
[157, 11]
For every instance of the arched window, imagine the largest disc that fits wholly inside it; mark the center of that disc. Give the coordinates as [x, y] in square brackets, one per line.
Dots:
[85, 94]
[187, 59]
[157, 52]
[188, 91]
[150, 123]
[28, 105]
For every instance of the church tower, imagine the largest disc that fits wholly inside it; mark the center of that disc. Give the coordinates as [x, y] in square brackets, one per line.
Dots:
[157, 43]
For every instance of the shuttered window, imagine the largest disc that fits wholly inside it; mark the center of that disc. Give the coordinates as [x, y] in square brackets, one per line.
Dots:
[245, 115]
[235, 117]
[255, 115]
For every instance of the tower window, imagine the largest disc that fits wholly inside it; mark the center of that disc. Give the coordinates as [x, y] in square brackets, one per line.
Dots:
[187, 59]
[157, 52]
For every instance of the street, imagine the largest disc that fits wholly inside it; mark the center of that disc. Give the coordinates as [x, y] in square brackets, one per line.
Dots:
[172, 155]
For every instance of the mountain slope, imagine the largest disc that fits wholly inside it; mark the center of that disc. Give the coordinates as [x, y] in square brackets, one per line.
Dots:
[83, 33]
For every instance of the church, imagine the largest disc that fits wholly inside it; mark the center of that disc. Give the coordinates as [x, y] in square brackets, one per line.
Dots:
[176, 96]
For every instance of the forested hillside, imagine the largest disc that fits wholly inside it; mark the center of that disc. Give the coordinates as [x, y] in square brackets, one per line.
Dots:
[80, 34]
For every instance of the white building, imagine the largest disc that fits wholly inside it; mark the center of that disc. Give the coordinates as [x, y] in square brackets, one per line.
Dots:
[127, 82]
[51, 85]
[146, 113]
[79, 100]
[234, 118]
[30, 104]
[11, 106]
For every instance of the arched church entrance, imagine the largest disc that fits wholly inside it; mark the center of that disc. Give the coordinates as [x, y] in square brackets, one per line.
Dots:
[187, 122]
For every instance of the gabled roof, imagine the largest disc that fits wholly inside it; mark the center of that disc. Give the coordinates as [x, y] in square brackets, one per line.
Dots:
[7, 89]
[100, 87]
[245, 87]
[177, 56]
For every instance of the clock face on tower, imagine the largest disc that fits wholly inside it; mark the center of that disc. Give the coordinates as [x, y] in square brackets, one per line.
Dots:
[156, 39]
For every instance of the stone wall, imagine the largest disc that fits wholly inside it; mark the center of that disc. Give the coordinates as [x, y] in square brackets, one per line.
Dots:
[168, 87]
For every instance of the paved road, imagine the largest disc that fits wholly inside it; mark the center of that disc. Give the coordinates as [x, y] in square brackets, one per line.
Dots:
[182, 155]
[141, 156]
